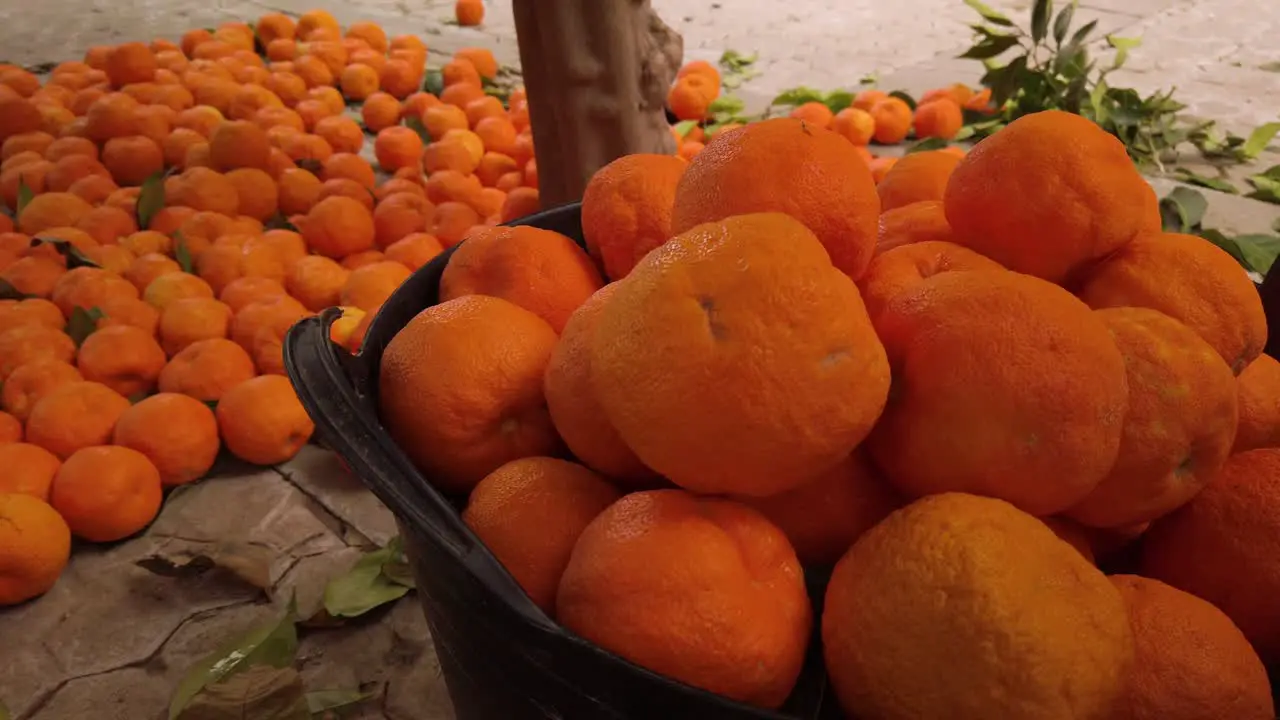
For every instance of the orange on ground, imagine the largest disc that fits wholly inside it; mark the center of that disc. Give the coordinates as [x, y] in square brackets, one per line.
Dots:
[739, 600]
[1180, 424]
[262, 421]
[896, 271]
[35, 545]
[239, 144]
[990, 562]
[27, 469]
[414, 250]
[469, 12]
[917, 222]
[915, 178]
[169, 287]
[1049, 194]
[31, 311]
[88, 287]
[988, 366]
[572, 402]
[481, 58]
[243, 291]
[892, 118]
[813, 113]
[74, 416]
[1189, 279]
[148, 267]
[626, 209]
[368, 286]
[106, 493]
[50, 210]
[781, 165]
[529, 514]
[1220, 547]
[736, 359]
[338, 226]
[129, 311]
[122, 357]
[33, 276]
[207, 369]
[31, 381]
[26, 343]
[823, 517]
[1190, 660]
[191, 320]
[1258, 393]
[488, 360]
[541, 271]
[397, 147]
[941, 118]
[179, 434]
[317, 282]
[690, 97]
[855, 125]
[258, 193]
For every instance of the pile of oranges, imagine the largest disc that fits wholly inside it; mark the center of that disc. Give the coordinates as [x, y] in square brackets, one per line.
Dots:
[962, 393]
[172, 209]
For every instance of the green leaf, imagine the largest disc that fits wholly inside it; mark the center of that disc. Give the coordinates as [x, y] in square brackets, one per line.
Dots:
[1040, 14]
[927, 144]
[798, 96]
[838, 100]
[988, 13]
[376, 579]
[1276, 225]
[9, 292]
[684, 127]
[280, 222]
[74, 257]
[726, 104]
[150, 199]
[1191, 205]
[1062, 24]
[904, 97]
[322, 701]
[182, 253]
[736, 62]
[1122, 47]
[433, 82]
[25, 196]
[83, 323]
[1217, 237]
[415, 124]
[1082, 34]
[1265, 188]
[1259, 251]
[990, 47]
[1258, 139]
[272, 644]
[1212, 183]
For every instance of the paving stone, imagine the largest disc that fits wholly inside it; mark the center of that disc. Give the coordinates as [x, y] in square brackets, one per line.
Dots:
[316, 472]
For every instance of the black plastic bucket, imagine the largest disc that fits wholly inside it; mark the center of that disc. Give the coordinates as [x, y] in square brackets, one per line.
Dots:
[502, 657]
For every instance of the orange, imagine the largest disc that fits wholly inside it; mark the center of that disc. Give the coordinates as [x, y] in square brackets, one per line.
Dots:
[399, 215]
[73, 416]
[782, 165]
[50, 210]
[177, 433]
[274, 26]
[855, 125]
[191, 320]
[940, 118]
[918, 177]
[896, 271]
[89, 287]
[1190, 660]
[26, 343]
[1219, 547]
[298, 191]
[573, 405]
[129, 311]
[245, 290]
[626, 209]
[380, 112]
[892, 118]
[448, 154]
[397, 147]
[973, 395]
[414, 250]
[256, 189]
[459, 71]
[169, 287]
[823, 517]
[27, 469]
[972, 574]
[260, 328]
[206, 369]
[690, 97]
[35, 545]
[342, 133]
[149, 266]
[440, 119]
[368, 286]
[17, 116]
[1258, 393]
[488, 359]
[130, 63]
[469, 12]
[131, 160]
[1180, 425]
[122, 357]
[541, 271]
[358, 82]
[107, 224]
[338, 226]
[738, 600]
[317, 282]
[33, 380]
[481, 58]
[1189, 279]
[1048, 194]
[107, 493]
[203, 189]
[33, 276]
[529, 514]
[737, 359]
[262, 421]
[32, 311]
[813, 113]
[10, 429]
[239, 144]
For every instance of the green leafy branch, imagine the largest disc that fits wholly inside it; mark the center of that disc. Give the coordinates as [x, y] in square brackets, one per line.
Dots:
[1182, 211]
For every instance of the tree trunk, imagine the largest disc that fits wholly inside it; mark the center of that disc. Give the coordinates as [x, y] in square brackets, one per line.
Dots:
[597, 73]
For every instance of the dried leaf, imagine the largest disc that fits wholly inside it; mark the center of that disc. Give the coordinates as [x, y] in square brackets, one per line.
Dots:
[151, 199]
[83, 323]
[249, 563]
[261, 693]
[322, 701]
[377, 578]
[272, 644]
[1273, 66]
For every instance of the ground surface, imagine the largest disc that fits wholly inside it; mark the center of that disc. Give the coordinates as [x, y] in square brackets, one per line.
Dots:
[112, 639]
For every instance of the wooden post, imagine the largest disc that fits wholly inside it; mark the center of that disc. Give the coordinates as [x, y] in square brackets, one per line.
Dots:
[597, 74]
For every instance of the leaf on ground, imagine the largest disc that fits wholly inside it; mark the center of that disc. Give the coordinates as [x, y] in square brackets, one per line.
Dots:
[736, 62]
[377, 578]
[249, 563]
[415, 124]
[1222, 240]
[726, 104]
[182, 253]
[1182, 209]
[261, 693]
[927, 144]
[322, 701]
[25, 196]
[83, 323]
[273, 644]
[798, 96]
[1258, 139]
[1265, 188]
[1212, 183]
[150, 199]
[684, 127]
[1259, 251]
[1273, 66]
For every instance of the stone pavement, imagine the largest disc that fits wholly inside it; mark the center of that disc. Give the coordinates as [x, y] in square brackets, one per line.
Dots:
[113, 639]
